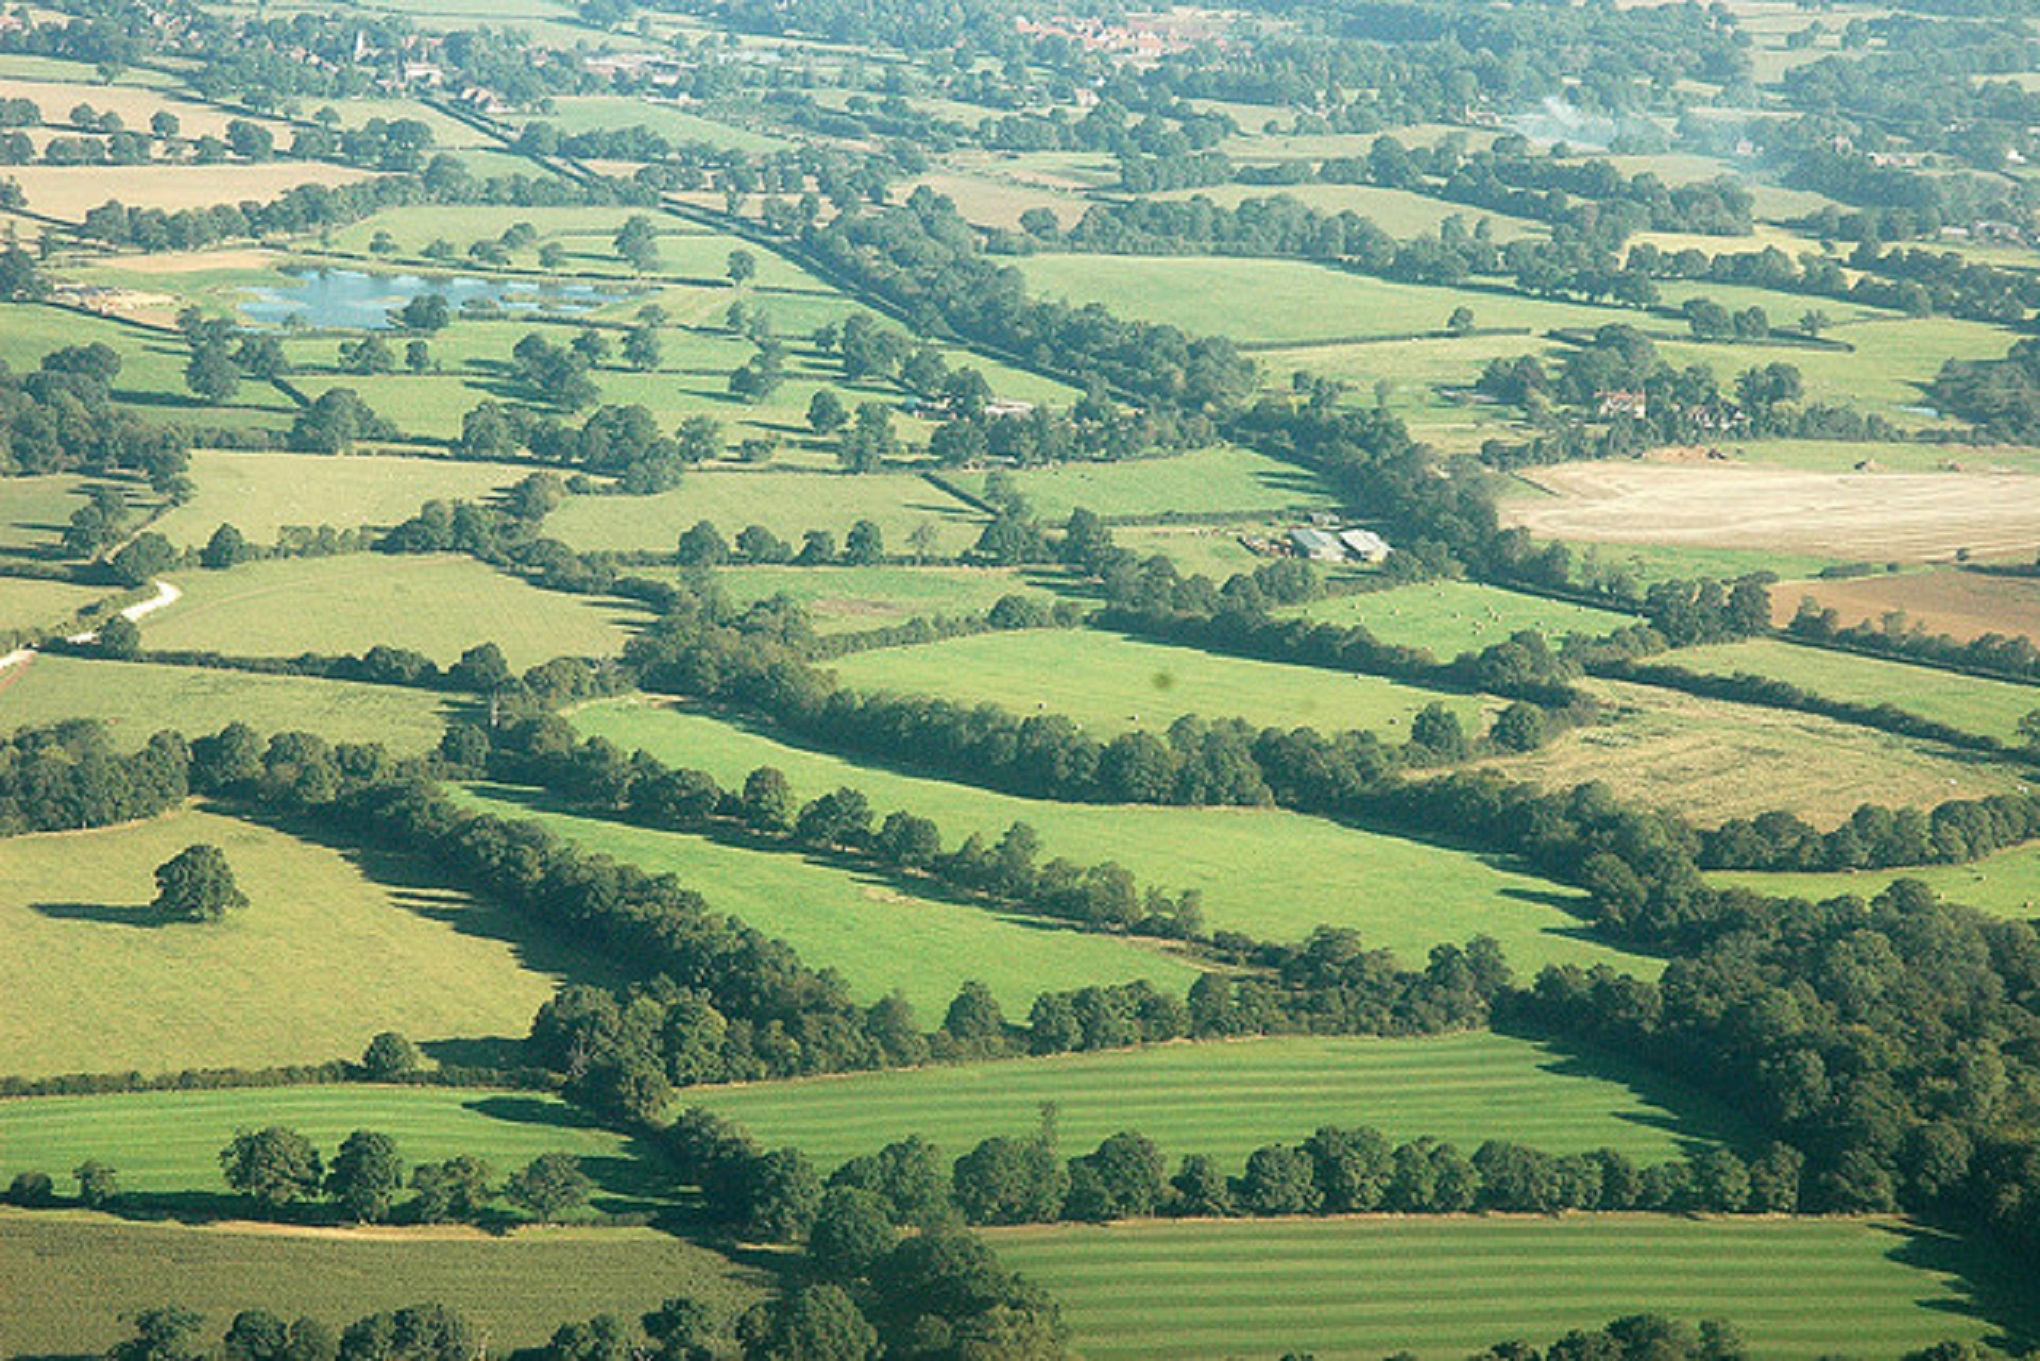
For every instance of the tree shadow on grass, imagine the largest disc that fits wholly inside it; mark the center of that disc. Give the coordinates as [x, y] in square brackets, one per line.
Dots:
[143, 915]
[1986, 1282]
[1695, 1120]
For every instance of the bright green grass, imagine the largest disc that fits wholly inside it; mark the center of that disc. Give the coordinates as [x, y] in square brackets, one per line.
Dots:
[1214, 550]
[787, 503]
[1272, 874]
[1893, 361]
[1223, 479]
[1451, 617]
[583, 113]
[135, 700]
[2005, 885]
[152, 365]
[518, 1289]
[260, 493]
[1112, 684]
[1646, 563]
[331, 950]
[878, 936]
[439, 606]
[26, 603]
[1445, 1287]
[1992, 708]
[1228, 1099]
[35, 510]
[844, 599]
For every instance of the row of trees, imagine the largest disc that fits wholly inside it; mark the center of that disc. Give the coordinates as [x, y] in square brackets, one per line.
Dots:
[279, 1168]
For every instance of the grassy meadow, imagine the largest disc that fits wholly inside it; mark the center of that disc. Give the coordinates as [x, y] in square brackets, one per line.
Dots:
[1451, 617]
[35, 510]
[27, 603]
[260, 493]
[333, 948]
[440, 606]
[1222, 479]
[882, 936]
[786, 502]
[846, 599]
[1226, 1100]
[2006, 884]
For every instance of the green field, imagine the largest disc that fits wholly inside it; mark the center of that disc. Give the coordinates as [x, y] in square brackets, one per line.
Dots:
[35, 510]
[135, 700]
[333, 948]
[787, 503]
[1227, 1099]
[1272, 874]
[1451, 617]
[518, 1290]
[1214, 550]
[2006, 884]
[26, 603]
[1112, 684]
[260, 493]
[580, 113]
[1445, 1287]
[1991, 708]
[845, 599]
[440, 606]
[1399, 212]
[1224, 479]
[878, 936]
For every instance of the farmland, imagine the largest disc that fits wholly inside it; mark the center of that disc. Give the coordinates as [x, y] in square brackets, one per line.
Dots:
[1227, 1100]
[26, 603]
[1945, 600]
[261, 493]
[2005, 885]
[1226, 479]
[844, 599]
[787, 503]
[1447, 618]
[69, 192]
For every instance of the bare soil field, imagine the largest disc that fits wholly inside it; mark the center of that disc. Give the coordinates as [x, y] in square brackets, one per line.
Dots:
[71, 191]
[1960, 604]
[1878, 517]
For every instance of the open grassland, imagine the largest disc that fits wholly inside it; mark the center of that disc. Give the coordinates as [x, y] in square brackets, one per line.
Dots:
[1711, 760]
[1945, 600]
[69, 192]
[1272, 874]
[1902, 517]
[332, 949]
[1220, 480]
[1991, 708]
[2006, 884]
[844, 599]
[881, 936]
[1445, 1287]
[260, 493]
[135, 699]
[1112, 684]
[168, 1143]
[1226, 1100]
[787, 503]
[1646, 563]
[1451, 617]
[26, 603]
[518, 1289]
[440, 606]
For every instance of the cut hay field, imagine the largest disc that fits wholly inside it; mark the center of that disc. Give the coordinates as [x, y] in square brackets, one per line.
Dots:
[1226, 1100]
[1711, 760]
[518, 1290]
[136, 699]
[26, 603]
[332, 949]
[1272, 874]
[1225, 479]
[844, 599]
[1451, 617]
[1445, 1287]
[1945, 600]
[1112, 684]
[1991, 708]
[440, 606]
[260, 493]
[69, 192]
[879, 936]
[1900, 517]
[787, 503]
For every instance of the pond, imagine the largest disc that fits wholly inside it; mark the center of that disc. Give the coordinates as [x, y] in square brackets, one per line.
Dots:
[355, 300]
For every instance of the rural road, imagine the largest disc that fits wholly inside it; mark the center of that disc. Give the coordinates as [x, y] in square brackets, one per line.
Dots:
[165, 595]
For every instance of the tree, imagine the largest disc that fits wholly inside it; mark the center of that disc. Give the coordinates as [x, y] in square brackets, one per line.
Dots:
[820, 1323]
[869, 440]
[637, 243]
[197, 885]
[142, 558]
[742, 267]
[120, 638]
[826, 413]
[455, 1190]
[700, 438]
[767, 801]
[98, 1184]
[642, 348]
[851, 1232]
[211, 374]
[864, 545]
[782, 1196]
[1460, 322]
[276, 1166]
[366, 1176]
[226, 548]
[161, 1335]
[417, 356]
[703, 546]
[549, 1186]
[2029, 730]
[390, 1056]
[336, 420]
[426, 312]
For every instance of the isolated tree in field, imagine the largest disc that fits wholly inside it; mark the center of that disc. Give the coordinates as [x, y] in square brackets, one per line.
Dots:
[549, 1186]
[742, 267]
[366, 1176]
[1460, 322]
[768, 800]
[826, 413]
[275, 1166]
[390, 1056]
[703, 546]
[197, 885]
[637, 243]
[212, 374]
[642, 349]
[864, 545]
[98, 1184]
[165, 124]
[1813, 322]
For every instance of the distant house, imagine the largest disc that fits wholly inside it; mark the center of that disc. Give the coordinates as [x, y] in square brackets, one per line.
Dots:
[1364, 545]
[1318, 545]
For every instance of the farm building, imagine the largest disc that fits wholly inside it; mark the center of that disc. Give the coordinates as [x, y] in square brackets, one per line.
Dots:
[1318, 545]
[1364, 545]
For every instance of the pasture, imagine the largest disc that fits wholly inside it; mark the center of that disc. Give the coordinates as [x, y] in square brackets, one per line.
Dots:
[440, 606]
[333, 948]
[1711, 760]
[1943, 600]
[27, 603]
[845, 599]
[518, 1290]
[1991, 708]
[1272, 874]
[2006, 884]
[1214, 550]
[785, 502]
[1227, 1099]
[880, 936]
[1399, 212]
[1903, 517]
[135, 700]
[35, 510]
[260, 493]
[1111, 684]
[583, 113]
[1451, 617]
[1225, 479]
[1369, 1286]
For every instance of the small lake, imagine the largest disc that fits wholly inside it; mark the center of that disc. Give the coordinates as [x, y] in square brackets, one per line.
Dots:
[355, 300]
